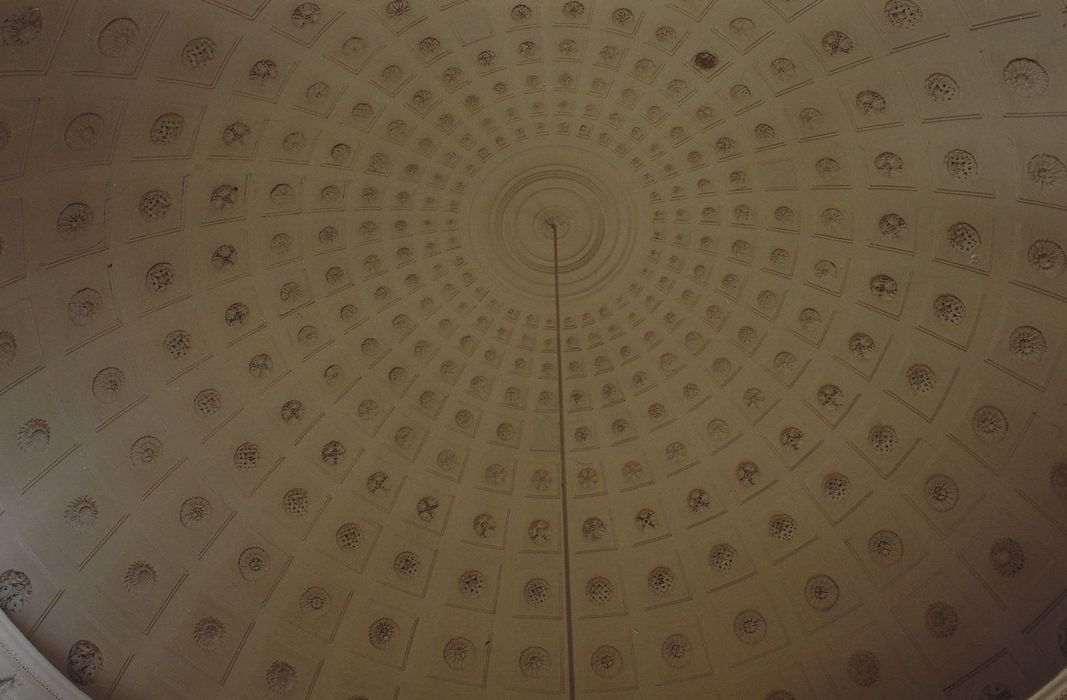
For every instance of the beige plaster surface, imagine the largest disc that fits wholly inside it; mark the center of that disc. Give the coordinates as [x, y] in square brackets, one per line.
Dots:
[290, 405]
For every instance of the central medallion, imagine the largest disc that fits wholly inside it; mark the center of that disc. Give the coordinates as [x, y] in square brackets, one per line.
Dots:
[553, 223]
[552, 208]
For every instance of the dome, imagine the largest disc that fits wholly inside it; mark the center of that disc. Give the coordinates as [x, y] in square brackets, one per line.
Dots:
[554, 348]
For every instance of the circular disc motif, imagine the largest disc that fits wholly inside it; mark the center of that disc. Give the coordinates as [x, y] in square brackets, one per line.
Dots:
[548, 201]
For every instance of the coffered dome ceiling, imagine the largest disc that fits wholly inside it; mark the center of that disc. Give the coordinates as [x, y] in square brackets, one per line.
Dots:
[473, 349]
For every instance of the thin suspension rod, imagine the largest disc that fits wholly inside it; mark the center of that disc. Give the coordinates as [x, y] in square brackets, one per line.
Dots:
[563, 471]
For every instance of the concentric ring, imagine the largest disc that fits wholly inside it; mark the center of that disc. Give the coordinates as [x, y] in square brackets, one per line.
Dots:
[553, 196]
